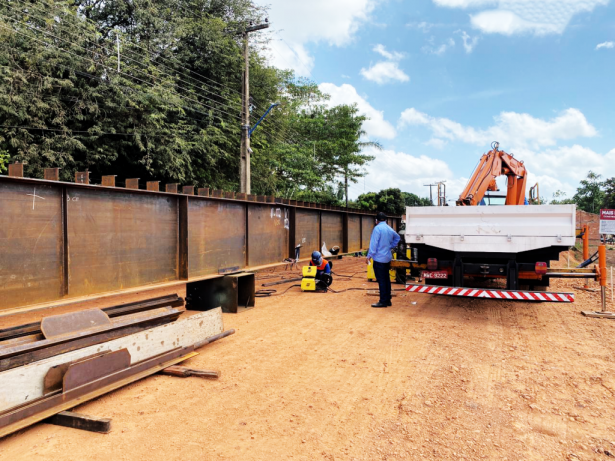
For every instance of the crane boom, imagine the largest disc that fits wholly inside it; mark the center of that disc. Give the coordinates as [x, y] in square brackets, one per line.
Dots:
[493, 164]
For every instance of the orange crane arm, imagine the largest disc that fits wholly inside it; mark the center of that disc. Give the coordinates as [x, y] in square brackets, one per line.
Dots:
[493, 164]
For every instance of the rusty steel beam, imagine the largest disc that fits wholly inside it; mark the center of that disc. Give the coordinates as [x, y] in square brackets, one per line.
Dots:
[92, 240]
[153, 186]
[204, 191]
[188, 190]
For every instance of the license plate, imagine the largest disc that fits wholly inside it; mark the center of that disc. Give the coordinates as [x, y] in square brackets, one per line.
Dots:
[435, 275]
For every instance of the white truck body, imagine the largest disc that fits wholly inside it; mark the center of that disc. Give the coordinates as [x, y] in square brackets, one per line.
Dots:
[492, 229]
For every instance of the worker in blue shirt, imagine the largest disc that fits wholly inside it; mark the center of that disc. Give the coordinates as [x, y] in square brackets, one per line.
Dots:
[383, 240]
[322, 265]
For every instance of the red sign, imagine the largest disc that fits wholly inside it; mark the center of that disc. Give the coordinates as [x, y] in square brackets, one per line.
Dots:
[607, 215]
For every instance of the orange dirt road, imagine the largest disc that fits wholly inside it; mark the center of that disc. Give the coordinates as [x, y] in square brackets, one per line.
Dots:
[324, 376]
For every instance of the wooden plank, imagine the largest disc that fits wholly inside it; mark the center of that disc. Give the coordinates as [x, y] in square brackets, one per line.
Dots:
[60, 325]
[81, 421]
[24, 384]
[599, 315]
[22, 354]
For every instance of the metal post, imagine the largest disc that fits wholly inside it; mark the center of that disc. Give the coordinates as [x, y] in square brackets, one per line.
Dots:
[603, 274]
[244, 163]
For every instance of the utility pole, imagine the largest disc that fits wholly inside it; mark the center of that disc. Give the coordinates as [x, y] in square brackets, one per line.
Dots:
[430, 193]
[346, 186]
[244, 161]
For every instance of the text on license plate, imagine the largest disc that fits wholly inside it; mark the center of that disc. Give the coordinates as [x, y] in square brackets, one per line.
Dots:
[435, 274]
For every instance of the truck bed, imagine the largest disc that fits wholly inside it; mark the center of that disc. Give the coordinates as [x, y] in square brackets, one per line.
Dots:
[492, 229]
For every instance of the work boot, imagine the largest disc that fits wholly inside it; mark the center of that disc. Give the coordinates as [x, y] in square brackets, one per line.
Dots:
[379, 305]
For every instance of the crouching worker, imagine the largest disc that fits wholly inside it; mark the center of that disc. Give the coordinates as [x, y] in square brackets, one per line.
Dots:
[322, 265]
[323, 271]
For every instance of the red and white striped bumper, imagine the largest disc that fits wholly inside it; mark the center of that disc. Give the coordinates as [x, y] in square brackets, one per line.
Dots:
[507, 295]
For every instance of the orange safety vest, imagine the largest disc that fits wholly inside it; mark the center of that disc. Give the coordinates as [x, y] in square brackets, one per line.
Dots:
[322, 266]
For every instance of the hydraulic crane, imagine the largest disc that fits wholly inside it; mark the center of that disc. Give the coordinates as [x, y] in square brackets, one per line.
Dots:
[493, 164]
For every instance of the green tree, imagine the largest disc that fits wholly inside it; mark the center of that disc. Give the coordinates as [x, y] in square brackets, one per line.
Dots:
[609, 193]
[559, 198]
[4, 160]
[411, 199]
[367, 201]
[590, 196]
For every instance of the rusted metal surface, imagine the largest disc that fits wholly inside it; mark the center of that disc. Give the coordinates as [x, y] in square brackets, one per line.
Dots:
[38, 410]
[120, 240]
[354, 233]
[171, 188]
[204, 191]
[108, 181]
[52, 174]
[307, 225]
[86, 371]
[31, 244]
[230, 195]
[216, 193]
[153, 186]
[268, 236]
[16, 170]
[82, 177]
[367, 225]
[132, 183]
[58, 325]
[188, 190]
[240, 196]
[216, 236]
[331, 229]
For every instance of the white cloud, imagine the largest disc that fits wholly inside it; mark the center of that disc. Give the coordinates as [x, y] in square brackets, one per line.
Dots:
[510, 128]
[376, 126]
[409, 173]
[393, 56]
[468, 42]
[438, 50]
[385, 72]
[508, 17]
[334, 22]
[605, 45]
[437, 143]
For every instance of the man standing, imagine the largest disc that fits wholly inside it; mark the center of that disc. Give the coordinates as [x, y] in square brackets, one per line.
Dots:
[383, 240]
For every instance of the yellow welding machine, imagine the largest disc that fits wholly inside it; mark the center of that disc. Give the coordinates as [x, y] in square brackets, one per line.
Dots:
[309, 271]
[308, 284]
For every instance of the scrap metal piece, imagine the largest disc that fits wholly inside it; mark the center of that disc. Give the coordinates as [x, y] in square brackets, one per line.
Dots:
[89, 370]
[59, 325]
[185, 372]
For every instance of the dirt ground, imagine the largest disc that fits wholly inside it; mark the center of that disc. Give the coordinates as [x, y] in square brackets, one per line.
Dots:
[324, 376]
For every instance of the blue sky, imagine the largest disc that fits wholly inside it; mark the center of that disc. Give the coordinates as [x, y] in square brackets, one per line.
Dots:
[441, 79]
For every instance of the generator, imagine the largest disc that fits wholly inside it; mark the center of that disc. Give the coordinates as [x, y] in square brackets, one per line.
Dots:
[311, 283]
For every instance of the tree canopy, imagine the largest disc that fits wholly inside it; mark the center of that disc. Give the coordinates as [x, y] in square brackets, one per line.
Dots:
[152, 90]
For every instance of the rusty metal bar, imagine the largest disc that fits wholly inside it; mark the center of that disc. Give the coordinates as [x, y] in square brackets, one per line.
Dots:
[132, 183]
[240, 196]
[216, 193]
[109, 181]
[251, 198]
[188, 190]
[171, 188]
[52, 174]
[153, 186]
[230, 195]
[183, 253]
[204, 191]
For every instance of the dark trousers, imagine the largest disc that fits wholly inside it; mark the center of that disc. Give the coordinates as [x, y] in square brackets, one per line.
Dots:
[381, 271]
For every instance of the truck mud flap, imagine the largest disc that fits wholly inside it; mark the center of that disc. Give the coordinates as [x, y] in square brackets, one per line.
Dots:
[504, 295]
